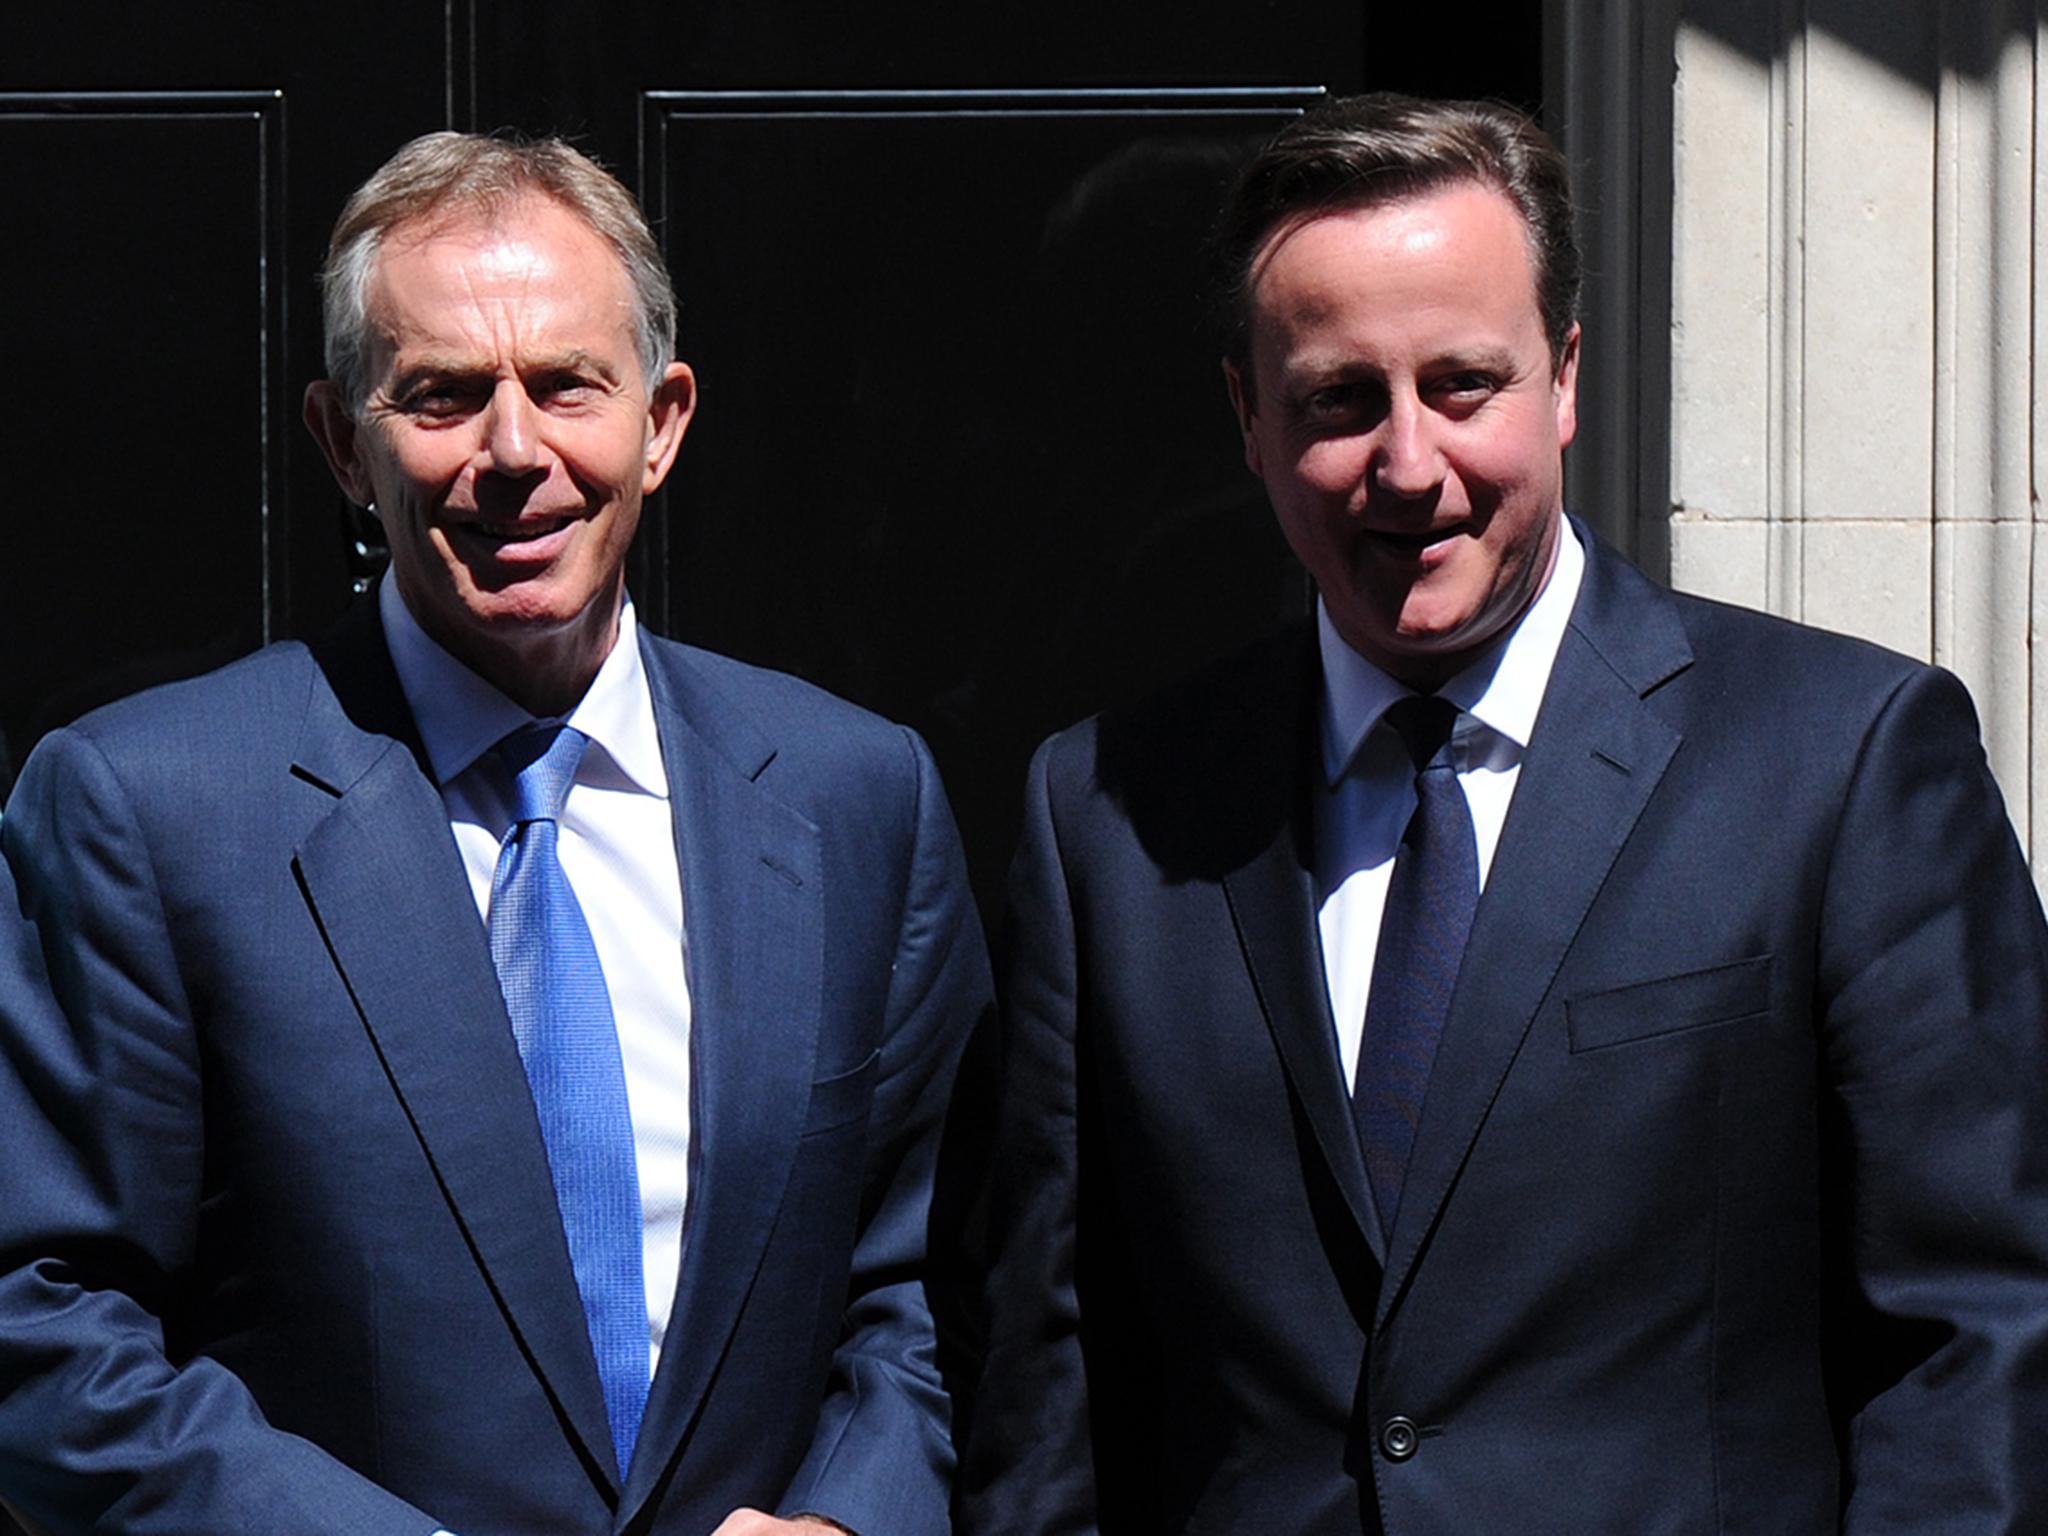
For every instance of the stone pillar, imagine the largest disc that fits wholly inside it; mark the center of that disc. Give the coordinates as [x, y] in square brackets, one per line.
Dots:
[1854, 318]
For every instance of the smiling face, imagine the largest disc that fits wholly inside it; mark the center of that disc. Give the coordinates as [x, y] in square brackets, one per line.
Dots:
[1408, 419]
[507, 440]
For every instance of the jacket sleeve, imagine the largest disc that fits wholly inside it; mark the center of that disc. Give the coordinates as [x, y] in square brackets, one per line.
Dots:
[1029, 1465]
[1932, 1011]
[103, 1427]
[882, 1460]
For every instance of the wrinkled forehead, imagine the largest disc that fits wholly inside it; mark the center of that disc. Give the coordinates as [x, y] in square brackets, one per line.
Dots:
[446, 267]
[471, 219]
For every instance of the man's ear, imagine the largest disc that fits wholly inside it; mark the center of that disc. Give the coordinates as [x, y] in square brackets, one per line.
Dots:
[334, 429]
[668, 418]
[1242, 406]
[1565, 390]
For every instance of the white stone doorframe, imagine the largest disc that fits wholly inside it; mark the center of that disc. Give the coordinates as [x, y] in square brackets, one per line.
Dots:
[1814, 318]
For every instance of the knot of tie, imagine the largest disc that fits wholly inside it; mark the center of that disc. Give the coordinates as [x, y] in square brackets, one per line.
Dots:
[542, 759]
[1424, 723]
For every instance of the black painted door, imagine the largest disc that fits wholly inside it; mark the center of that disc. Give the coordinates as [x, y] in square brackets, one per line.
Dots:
[963, 453]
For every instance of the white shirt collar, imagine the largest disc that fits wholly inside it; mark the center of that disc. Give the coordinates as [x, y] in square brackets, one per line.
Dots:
[461, 717]
[1502, 689]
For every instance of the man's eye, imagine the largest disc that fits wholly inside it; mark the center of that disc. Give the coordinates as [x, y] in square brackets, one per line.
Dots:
[1346, 407]
[443, 399]
[1468, 386]
[566, 386]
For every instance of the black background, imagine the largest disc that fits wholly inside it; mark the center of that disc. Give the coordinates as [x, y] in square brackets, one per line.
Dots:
[963, 453]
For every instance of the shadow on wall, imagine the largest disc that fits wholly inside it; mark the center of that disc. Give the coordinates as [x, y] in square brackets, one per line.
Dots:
[1914, 40]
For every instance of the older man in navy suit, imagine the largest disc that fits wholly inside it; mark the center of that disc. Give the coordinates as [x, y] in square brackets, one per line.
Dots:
[1535, 1054]
[483, 1071]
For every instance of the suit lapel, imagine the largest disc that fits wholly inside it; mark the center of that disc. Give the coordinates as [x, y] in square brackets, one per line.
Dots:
[1595, 756]
[1273, 903]
[1272, 899]
[752, 912]
[386, 884]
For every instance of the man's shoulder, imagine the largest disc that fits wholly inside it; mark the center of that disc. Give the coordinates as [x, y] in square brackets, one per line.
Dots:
[765, 695]
[1811, 693]
[1199, 775]
[231, 711]
[190, 762]
[812, 743]
[1205, 723]
[1729, 632]
[1739, 653]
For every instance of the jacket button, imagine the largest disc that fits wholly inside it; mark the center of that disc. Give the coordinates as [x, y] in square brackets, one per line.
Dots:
[1398, 1438]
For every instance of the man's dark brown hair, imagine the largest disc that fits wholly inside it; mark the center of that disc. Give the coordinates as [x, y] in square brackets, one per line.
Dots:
[1367, 151]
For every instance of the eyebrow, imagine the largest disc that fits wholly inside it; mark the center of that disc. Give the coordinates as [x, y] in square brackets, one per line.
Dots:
[1491, 358]
[1317, 370]
[576, 360]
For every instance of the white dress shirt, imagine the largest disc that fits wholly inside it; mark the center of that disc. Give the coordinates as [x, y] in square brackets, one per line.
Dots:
[1369, 781]
[617, 843]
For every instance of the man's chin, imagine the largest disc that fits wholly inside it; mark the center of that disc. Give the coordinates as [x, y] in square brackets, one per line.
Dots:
[1421, 649]
[515, 615]
[520, 615]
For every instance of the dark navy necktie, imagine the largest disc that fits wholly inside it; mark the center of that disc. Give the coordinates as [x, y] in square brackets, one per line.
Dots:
[562, 1019]
[1422, 940]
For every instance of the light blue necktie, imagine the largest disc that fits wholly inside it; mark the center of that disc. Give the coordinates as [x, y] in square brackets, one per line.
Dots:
[562, 1020]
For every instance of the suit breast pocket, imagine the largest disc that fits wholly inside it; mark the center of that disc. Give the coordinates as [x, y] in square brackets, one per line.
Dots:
[843, 1098]
[1670, 1005]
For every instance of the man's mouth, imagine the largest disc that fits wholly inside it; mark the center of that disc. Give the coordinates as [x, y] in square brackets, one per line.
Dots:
[1415, 543]
[515, 531]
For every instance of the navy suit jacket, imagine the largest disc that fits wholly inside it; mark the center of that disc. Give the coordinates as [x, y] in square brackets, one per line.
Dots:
[1728, 1209]
[278, 1246]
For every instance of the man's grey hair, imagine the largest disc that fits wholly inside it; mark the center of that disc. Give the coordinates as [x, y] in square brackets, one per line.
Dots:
[446, 177]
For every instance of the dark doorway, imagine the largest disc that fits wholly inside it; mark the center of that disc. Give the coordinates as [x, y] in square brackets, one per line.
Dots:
[963, 454]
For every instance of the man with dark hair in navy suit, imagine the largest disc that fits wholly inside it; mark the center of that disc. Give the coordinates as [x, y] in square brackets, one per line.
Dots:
[482, 1071]
[1536, 1053]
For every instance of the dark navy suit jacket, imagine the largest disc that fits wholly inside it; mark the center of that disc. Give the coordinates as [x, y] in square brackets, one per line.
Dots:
[1728, 1210]
[278, 1246]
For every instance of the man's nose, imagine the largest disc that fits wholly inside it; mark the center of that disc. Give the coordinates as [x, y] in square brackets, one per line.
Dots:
[512, 443]
[1409, 462]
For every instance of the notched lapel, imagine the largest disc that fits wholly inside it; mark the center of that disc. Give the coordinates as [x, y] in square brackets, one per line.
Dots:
[1273, 903]
[753, 915]
[1596, 755]
[386, 885]
[1215, 786]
